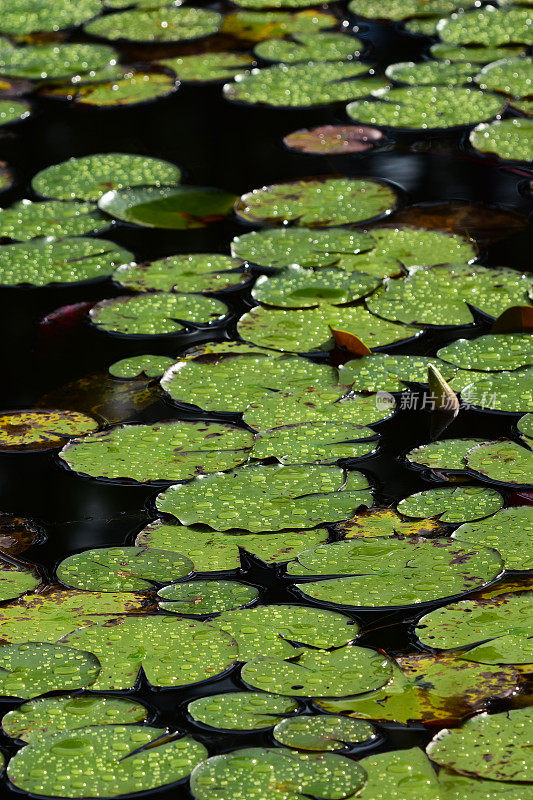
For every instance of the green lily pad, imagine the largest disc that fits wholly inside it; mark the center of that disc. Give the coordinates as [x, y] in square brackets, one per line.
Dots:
[489, 26]
[156, 313]
[122, 569]
[460, 504]
[128, 88]
[109, 760]
[322, 733]
[256, 26]
[241, 711]
[13, 110]
[333, 139]
[170, 650]
[435, 73]
[53, 61]
[443, 455]
[34, 668]
[416, 247]
[509, 531]
[476, 55]
[525, 426]
[16, 578]
[513, 76]
[394, 572]
[151, 366]
[269, 630]
[507, 138]
[26, 220]
[504, 462]
[397, 10]
[213, 550]
[320, 673]
[430, 689]
[207, 67]
[259, 773]
[426, 107]
[303, 85]
[457, 787]
[526, 106]
[439, 296]
[173, 451]
[313, 443]
[253, 4]
[386, 522]
[17, 534]
[318, 202]
[493, 747]
[90, 177]
[381, 372]
[491, 353]
[199, 272]
[511, 649]
[304, 330]
[298, 287]
[310, 47]
[399, 775]
[41, 262]
[37, 429]
[168, 24]
[268, 498]
[25, 16]
[36, 718]
[173, 207]
[422, 26]
[504, 391]
[205, 597]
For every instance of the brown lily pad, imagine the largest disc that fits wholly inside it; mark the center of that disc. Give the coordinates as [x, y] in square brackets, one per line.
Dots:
[386, 522]
[42, 429]
[517, 319]
[333, 139]
[17, 534]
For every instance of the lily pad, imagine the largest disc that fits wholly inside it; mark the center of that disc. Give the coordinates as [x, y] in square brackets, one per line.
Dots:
[151, 366]
[503, 462]
[460, 504]
[155, 314]
[53, 61]
[170, 650]
[241, 711]
[122, 569]
[304, 330]
[381, 372]
[507, 138]
[397, 10]
[34, 668]
[25, 16]
[435, 73]
[173, 207]
[41, 262]
[399, 775]
[426, 107]
[90, 177]
[416, 247]
[16, 578]
[448, 454]
[205, 597]
[320, 673]
[109, 760]
[313, 443]
[37, 429]
[174, 450]
[17, 534]
[199, 272]
[13, 110]
[504, 391]
[322, 733]
[457, 787]
[168, 24]
[318, 202]
[268, 498]
[509, 531]
[310, 47]
[36, 718]
[303, 85]
[476, 55]
[275, 3]
[128, 88]
[513, 76]
[259, 773]
[213, 550]
[489, 26]
[428, 689]
[493, 747]
[298, 287]
[491, 353]
[26, 220]
[207, 67]
[525, 426]
[256, 26]
[394, 572]
[386, 522]
[333, 139]
[422, 26]
[439, 296]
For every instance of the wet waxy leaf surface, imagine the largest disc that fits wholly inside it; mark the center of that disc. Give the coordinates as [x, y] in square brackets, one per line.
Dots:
[241, 711]
[452, 505]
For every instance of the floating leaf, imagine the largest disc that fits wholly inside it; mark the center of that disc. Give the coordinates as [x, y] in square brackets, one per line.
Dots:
[168, 24]
[386, 522]
[212, 550]
[34, 668]
[473, 222]
[318, 202]
[156, 313]
[17, 534]
[275, 3]
[303, 85]
[416, 247]
[36, 718]
[435, 73]
[507, 138]
[25, 16]
[322, 733]
[41, 262]
[504, 391]
[333, 139]
[457, 787]
[509, 531]
[126, 89]
[504, 462]
[425, 26]
[16, 578]
[439, 296]
[476, 55]
[90, 177]
[310, 47]
[399, 775]
[426, 107]
[199, 272]
[267, 498]
[460, 504]
[489, 26]
[298, 287]
[320, 673]
[207, 67]
[517, 319]
[493, 746]
[513, 76]
[104, 761]
[170, 650]
[525, 426]
[205, 597]
[448, 454]
[304, 330]
[381, 372]
[401, 9]
[313, 443]
[394, 572]
[151, 366]
[174, 207]
[53, 61]
[26, 220]
[37, 429]
[241, 711]
[491, 353]
[255, 26]
[257, 773]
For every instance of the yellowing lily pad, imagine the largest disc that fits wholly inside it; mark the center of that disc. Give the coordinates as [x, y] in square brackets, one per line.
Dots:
[255, 26]
[386, 522]
[108, 91]
[38, 429]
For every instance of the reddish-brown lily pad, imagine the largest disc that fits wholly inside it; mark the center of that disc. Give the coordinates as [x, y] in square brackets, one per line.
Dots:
[333, 139]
